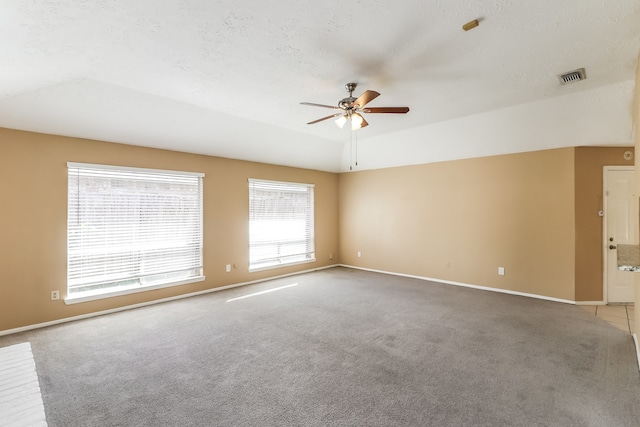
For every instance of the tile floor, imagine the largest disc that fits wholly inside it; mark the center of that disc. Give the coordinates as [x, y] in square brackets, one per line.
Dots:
[620, 316]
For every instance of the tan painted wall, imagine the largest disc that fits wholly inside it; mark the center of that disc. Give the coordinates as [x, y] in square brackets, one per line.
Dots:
[531, 213]
[33, 217]
[589, 163]
[461, 220]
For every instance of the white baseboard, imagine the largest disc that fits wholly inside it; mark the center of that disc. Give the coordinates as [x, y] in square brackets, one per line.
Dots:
[635, 340]
[466, 285]
[221, 288]
[158, 301]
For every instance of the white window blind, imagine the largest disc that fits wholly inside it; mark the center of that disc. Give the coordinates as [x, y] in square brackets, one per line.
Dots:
[131, 228]
[281, 223]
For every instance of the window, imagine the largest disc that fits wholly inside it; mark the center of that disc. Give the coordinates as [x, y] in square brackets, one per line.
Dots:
[281, 229]
[131, 229]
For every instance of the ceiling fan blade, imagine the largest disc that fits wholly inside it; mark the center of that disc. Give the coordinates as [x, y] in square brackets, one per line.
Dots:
[364, 123]
[325, 118]
[320, 105]
[365, 98]
[396, 110]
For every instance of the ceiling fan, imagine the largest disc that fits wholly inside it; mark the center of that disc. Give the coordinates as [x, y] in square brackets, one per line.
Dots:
[352, 108]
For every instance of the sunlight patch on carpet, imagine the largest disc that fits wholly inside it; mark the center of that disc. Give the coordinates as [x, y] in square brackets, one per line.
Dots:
[261, 292]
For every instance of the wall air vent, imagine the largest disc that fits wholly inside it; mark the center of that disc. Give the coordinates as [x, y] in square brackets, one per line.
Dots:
[572, 76]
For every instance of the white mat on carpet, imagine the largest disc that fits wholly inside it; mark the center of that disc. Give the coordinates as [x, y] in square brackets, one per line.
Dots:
[20, 398]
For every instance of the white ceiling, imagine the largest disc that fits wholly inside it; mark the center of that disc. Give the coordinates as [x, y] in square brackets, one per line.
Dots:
[225, 78]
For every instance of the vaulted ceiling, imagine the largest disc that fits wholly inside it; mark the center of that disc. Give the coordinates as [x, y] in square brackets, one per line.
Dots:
[226, 78]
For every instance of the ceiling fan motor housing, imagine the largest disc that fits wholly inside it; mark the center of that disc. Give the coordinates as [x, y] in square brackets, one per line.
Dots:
[346, 103]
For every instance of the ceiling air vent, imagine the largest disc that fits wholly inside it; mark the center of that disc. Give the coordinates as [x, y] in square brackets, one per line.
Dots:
[572, 76]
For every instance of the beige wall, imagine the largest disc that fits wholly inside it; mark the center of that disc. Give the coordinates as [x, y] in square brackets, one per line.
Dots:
[531, 213]
[459, 221]
[589, 163]
[33, 187]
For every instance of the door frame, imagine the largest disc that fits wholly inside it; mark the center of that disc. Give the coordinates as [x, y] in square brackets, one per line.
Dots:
[603, 245]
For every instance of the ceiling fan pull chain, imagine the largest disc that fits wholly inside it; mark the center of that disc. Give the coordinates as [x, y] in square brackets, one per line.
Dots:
[356, 148]
[350, 151]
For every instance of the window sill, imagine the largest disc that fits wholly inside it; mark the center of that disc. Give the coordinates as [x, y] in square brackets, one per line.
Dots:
[96, 295]
[289, 264]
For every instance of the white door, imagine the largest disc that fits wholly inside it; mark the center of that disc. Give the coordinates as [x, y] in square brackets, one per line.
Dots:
[621, 208]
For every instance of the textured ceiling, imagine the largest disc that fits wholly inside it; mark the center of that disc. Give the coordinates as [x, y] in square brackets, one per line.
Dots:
[226, 78]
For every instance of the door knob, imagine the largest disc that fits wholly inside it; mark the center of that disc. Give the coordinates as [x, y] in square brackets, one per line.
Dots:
[612, 246]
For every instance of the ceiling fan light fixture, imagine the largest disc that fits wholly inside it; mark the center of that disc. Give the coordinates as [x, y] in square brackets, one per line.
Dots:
[340, 121]
[356, 121]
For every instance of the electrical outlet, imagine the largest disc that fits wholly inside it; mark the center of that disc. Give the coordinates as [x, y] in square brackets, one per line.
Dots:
[228, 268]
[330, 255]
[359, 254]
[55, 295]
[500, 271]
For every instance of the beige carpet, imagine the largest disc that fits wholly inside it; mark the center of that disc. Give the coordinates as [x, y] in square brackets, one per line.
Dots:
[340, 348]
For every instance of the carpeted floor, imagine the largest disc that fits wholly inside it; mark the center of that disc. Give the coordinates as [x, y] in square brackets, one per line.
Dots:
[342, 348]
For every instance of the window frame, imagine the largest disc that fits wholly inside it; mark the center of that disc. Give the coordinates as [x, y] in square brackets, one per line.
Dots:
[196, 244]
[309, 225]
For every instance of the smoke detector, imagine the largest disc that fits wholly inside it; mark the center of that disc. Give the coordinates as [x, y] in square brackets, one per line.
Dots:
[572, 76]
